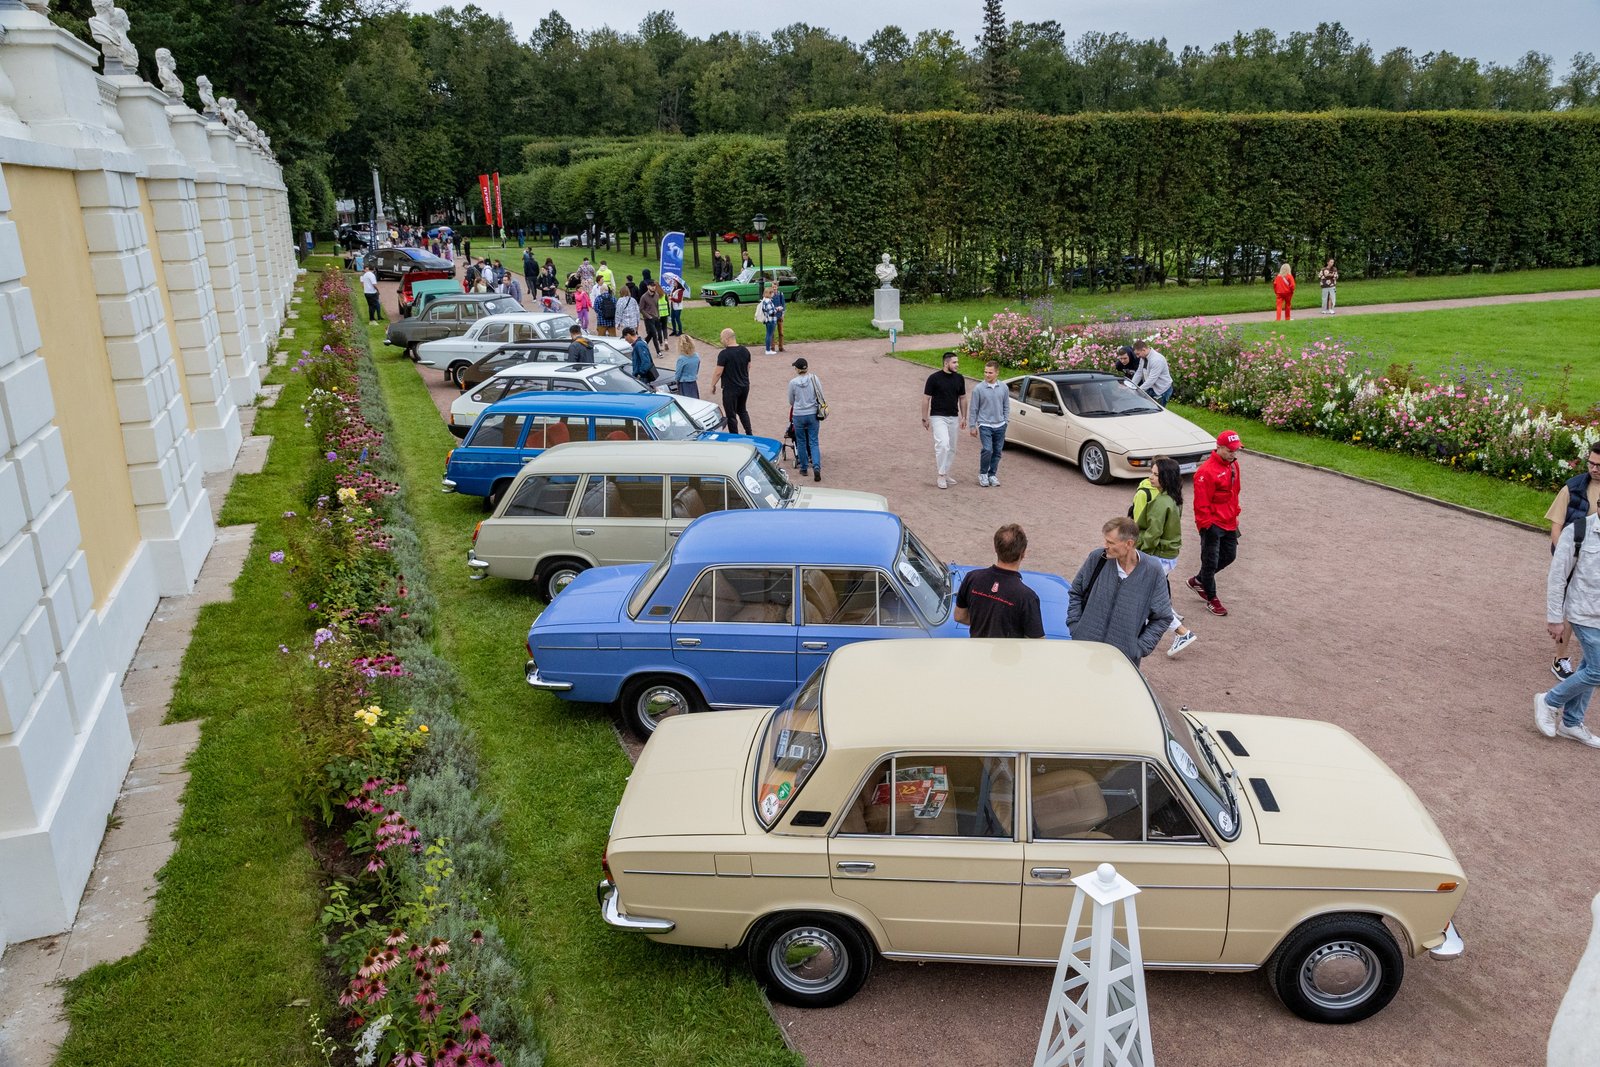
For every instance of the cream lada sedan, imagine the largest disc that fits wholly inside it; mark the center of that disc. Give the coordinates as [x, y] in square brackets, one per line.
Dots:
[931, 799]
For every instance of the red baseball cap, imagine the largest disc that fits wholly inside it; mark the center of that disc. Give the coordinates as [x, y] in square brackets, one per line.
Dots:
[1230, 440]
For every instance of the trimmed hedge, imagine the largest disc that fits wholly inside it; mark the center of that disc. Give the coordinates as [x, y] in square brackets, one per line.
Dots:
[1012, 202]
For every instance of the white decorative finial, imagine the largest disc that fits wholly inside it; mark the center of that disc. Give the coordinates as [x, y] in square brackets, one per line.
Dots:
[167, 73]
[1107, 875]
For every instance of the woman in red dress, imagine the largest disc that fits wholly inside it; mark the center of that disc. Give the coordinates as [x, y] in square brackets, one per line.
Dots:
[1283, 289]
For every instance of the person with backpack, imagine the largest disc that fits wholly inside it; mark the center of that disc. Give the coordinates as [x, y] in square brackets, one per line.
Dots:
[605, 311]
[1578, 498]
[1157, 510]
[767, 315]
[1572, 602]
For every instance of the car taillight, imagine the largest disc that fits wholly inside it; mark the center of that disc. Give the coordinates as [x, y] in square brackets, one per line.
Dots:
[528, 644]
[605, 862]
[475, 530]
[447, 456]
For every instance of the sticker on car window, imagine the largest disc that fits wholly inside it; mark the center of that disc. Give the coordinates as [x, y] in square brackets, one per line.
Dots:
[1224, 822]
[909, 573]
[772, 500]
[752, 484]
[1182, 760]
[770, 805]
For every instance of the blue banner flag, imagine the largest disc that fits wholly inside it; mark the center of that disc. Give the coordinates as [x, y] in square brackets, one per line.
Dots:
[672, 255]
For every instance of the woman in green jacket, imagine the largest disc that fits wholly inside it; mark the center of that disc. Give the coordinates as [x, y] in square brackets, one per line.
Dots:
[1158, 509]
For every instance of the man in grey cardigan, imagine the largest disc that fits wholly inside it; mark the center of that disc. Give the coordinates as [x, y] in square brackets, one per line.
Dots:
[1119, 595]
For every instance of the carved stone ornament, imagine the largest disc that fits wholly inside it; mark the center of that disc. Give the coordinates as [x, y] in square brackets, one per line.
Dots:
[208, 100]
[167, 73]
[886, 273]
[230, 117]
[128, 54]
[104, 32]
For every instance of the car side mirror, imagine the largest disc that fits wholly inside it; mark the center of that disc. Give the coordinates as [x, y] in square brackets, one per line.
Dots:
[1050, 409]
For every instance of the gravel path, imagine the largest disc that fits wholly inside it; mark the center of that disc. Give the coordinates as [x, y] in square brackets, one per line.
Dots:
[1418, 628]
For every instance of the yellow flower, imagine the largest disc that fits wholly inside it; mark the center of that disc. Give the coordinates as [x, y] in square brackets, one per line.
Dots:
[422, 729]
[374, 710]
[347, 495]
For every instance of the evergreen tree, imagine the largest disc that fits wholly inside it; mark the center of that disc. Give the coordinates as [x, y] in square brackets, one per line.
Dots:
[997, 68]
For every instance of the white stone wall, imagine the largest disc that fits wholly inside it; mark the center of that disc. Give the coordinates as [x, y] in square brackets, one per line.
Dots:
[220, 236]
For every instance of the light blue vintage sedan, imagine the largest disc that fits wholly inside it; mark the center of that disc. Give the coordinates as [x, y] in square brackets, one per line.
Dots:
[744, 607]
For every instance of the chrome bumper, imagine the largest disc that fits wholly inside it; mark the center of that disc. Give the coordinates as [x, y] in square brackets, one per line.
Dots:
[1453, 946]
[480, 567]
[447, 486]
[531, 673]
[611, 911]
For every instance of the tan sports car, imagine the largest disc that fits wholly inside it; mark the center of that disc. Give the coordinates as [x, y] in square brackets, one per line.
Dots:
[931, 799]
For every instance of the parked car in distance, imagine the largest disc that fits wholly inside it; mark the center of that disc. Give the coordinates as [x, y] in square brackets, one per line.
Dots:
[415, 295]
[606, 353]
[598, 503]
[445, 315]
[937, 814]
[1109, 429]
[744, 607]
[581, 240]
[547, 377]
[746, 287]
[395, 262]
[455, 353]
[512, 432]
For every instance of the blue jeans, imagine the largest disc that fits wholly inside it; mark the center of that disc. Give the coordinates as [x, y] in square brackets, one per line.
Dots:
[1572, 695]
[675, 315]
[1160, 398]
[991, 442]
[771, 326]
[808, 452]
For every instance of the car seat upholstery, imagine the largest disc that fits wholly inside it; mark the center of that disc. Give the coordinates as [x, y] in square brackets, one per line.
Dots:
[1067, 803]
[556, 434]
[822, 603]
[759, 611]
[687, 503]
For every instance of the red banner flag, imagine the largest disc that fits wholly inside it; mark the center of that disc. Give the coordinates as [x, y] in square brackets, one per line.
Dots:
[488, 216]
[498, 210]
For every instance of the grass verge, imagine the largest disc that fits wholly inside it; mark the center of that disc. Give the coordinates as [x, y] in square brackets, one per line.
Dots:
[554, 771]
[1414, 475]
[233, 961]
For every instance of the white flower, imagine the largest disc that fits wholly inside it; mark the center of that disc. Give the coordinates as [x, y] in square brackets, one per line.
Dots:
[367, 1046]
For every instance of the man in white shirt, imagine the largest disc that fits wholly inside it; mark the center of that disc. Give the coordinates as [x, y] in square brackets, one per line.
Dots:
[1153, 375]
[369, 287]
[1572, 601]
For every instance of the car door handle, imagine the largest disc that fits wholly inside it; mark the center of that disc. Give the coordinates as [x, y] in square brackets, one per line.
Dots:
[814, 646]
[584, 533]
[688, 642]
[1051, 874]
[856, 866]
[674, 533]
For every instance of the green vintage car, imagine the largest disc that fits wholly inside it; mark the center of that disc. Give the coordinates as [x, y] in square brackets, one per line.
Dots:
[747, 287]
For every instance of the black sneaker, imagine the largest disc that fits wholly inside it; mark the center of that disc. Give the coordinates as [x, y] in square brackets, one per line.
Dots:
[1562, 668]
[817, 474]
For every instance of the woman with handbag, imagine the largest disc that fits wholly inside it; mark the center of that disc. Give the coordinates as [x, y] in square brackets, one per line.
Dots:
[767, 315]
[807, 409]
[686, 373]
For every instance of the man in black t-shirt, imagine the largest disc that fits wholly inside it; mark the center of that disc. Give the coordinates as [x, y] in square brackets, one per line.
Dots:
[994, 601]
[733, 364]
[944, 411]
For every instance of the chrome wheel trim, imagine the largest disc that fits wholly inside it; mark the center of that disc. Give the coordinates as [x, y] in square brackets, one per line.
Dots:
[661, 700]
[562, 577]
[1094, 462]
[808, 959]
[1340, 975]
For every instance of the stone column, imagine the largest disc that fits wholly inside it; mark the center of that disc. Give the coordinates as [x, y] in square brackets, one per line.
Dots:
[64, 741]
[265, 238]
[247, 380]
[180, 246]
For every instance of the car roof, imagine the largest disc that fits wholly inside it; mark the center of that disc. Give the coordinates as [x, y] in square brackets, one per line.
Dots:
[638, 404]
[546, 370]
[1072, 377]
[447, 286]
[644, 457]
[523, 316]
[463, 298]
[822, 537]
[1029, 696]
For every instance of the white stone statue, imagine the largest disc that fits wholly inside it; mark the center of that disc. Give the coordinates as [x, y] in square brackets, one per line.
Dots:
[104, 32]
[208, 99]
[126, 53]
[230, 117]
[167, 73]
[886, 273]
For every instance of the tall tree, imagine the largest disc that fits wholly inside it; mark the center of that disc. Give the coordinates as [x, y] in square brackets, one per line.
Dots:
[997, 69]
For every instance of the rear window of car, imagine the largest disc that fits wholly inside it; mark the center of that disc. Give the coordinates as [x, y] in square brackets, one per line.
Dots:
[791, 748]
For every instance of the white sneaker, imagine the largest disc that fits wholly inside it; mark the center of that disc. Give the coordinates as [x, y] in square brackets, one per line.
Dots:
[983, 479]
[1579, 733]
[1182, 641]
[1544, 716]
[994, 481]
[944, 483]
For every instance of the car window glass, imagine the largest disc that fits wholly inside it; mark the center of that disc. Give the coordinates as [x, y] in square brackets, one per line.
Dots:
[492, 390]
[548, 431]
[524, 385]
[567, 385]
[498, 431]
[669, 423]
[1166, 818]
[1087, 799]
[613, 380]
[1104, 398]
[1014, 387]
[1041, 391]
[524, 331]
[791, 747]
[611, 428]
[495, 332]
[838, 596]
[694, 495]
[444, 312]
[543, 496]
[559, 327]
[741, 594]
[936, 796]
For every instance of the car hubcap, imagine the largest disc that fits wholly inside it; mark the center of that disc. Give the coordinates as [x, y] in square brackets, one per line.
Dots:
[1340, 974]
[808, 959]
[560, 580]
[1094, 463]
[661, 702]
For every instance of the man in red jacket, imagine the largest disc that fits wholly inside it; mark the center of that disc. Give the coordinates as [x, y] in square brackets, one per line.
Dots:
[1216, 513]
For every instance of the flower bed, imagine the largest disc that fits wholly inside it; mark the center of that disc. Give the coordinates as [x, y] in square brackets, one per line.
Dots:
[1476, 421]
[409, 853]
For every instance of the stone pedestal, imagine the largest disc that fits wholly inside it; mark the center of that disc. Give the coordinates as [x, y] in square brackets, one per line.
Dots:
[886, 310]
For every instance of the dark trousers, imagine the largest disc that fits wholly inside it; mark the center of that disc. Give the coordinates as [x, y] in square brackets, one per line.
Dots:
[655, 333]
[374, 311]
[733, 406]
[676, 315]
[1218, 548]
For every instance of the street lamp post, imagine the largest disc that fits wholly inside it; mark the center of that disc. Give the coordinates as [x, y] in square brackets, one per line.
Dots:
[760, 222]
[588, 214]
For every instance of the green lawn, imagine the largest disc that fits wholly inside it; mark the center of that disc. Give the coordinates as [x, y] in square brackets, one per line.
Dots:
[1411, 473]
[1555, 346]
[233, 963]
[555, 772]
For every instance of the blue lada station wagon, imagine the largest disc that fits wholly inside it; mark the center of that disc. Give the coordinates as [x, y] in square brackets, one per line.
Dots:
[745, 606]
[515, 430]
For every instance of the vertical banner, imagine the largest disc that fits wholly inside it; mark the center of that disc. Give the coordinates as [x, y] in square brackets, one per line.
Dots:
[671, 255]
[488, 215]
[498, 210]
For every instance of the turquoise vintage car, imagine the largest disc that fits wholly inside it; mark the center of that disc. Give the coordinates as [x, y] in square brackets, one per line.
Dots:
[747, 288]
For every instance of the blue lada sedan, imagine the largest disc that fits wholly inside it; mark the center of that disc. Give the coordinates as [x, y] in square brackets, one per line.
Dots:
[744, 607]
[509, 433]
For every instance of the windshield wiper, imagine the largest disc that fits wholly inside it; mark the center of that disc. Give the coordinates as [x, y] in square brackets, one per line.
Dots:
[1207, 742]
[1099, 412]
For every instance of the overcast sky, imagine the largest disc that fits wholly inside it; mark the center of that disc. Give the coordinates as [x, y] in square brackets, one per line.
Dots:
[1499, 31]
